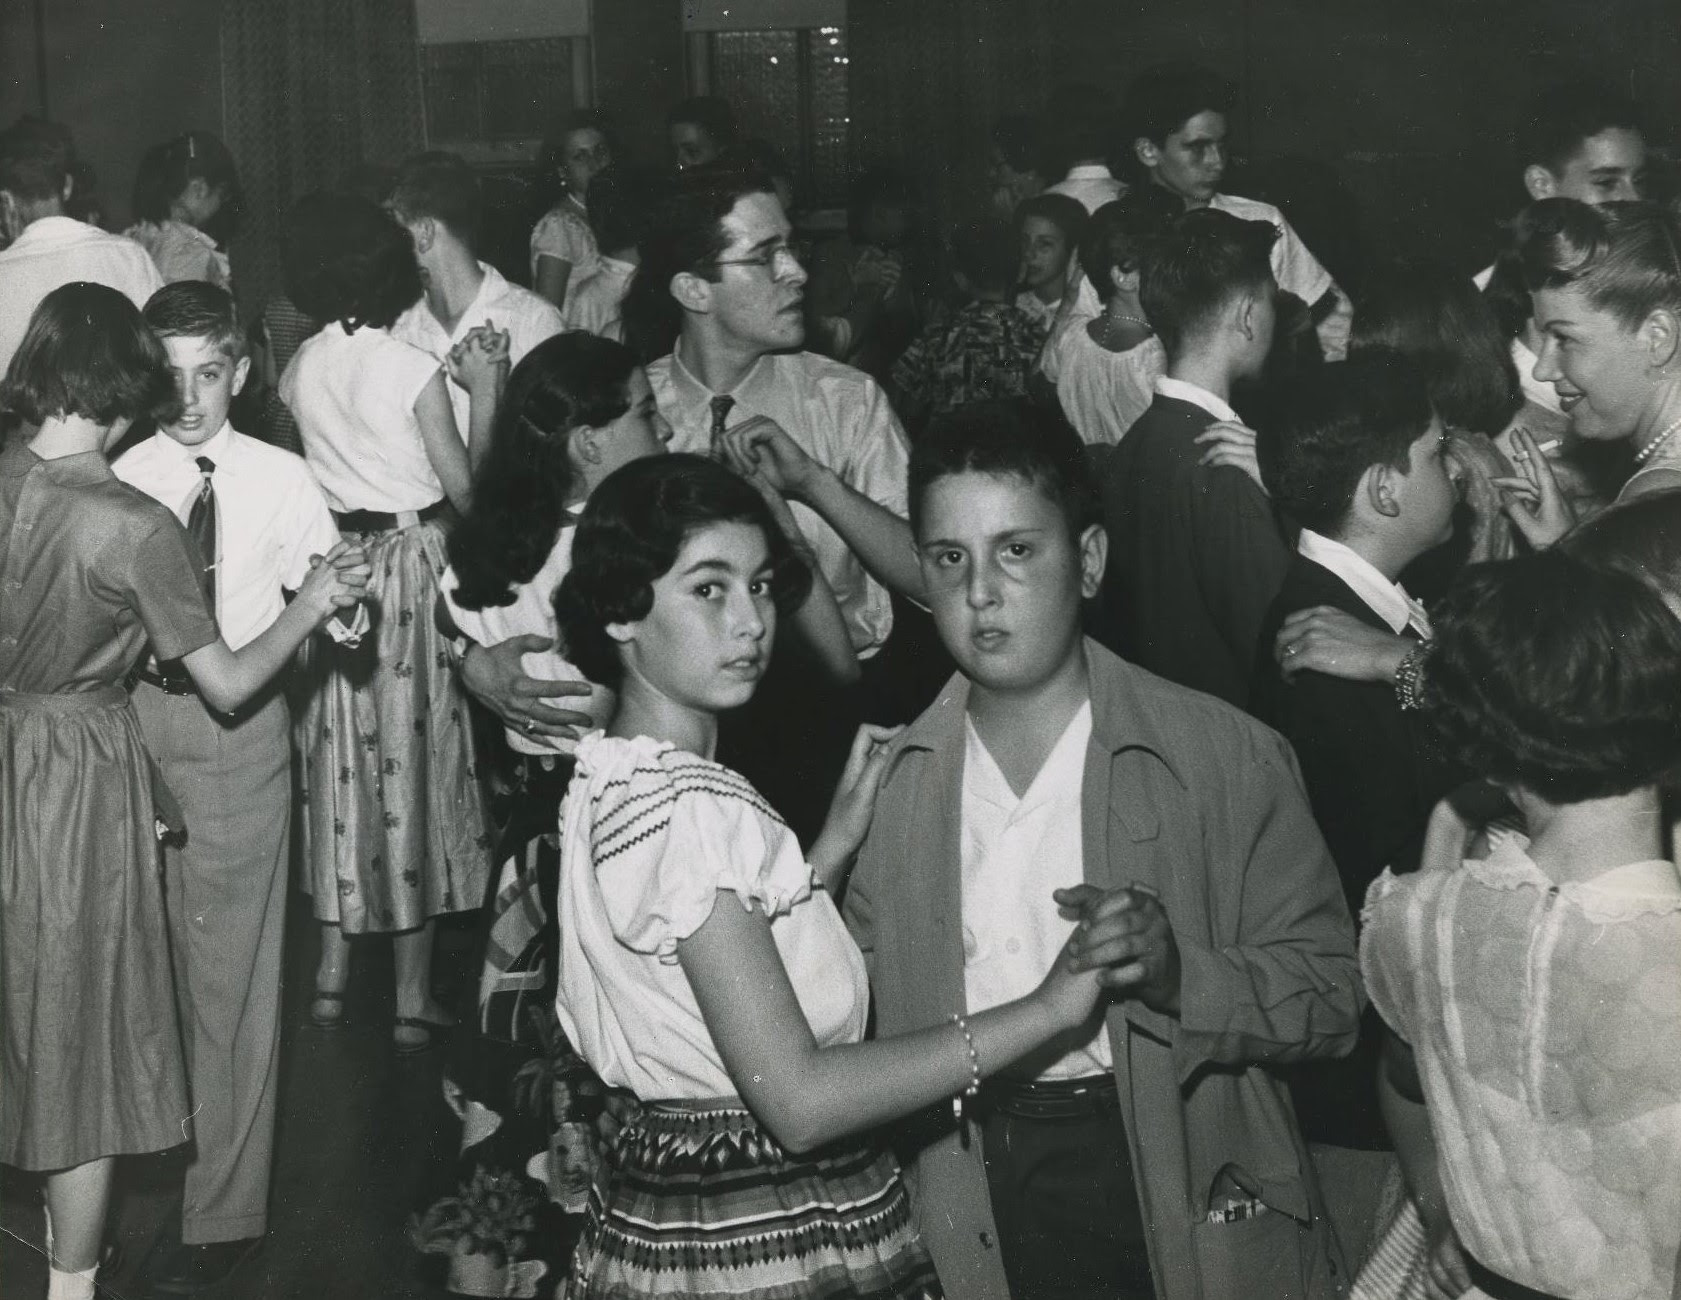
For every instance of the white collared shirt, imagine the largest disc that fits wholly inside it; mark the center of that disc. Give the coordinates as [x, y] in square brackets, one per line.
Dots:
[528, 318]
[270, 518]
[842, 420]
[1388, 600]
[353, 394]
[596, 304]
[54, 251]
[1197, 395]
[1091, 183]
[1014, 853]
[1296, 269]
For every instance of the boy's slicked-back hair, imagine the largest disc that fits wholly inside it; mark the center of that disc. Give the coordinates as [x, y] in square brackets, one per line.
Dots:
[1335, 423]
[1431, 313]
[348, 260]
[1197, 265]
[196, 309]
[1007, 437]
[35, 159]
[632, 530]
[87, 352]
[444, 187]
[1118, 234]
[685, 232]
[1625, 257]
[1065, 213]
[1557, 675]
[1163, 98]
[1562, 118]
[711, 113]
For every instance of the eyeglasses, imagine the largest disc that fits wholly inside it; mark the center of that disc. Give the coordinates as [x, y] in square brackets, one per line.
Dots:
[766, 261]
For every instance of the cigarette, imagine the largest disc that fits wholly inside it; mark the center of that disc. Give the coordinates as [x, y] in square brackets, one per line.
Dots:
[1551, 444]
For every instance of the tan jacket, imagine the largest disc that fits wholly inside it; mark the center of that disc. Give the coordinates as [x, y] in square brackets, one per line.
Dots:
[1186, 795]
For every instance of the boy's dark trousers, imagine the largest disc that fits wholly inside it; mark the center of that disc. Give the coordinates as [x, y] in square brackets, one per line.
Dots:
[226, 894]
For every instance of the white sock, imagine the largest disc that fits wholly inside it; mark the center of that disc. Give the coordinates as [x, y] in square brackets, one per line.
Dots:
[62, 1285]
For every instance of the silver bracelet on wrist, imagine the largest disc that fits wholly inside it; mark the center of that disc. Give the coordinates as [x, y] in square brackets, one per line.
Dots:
[973, 1090]
[1409, 678]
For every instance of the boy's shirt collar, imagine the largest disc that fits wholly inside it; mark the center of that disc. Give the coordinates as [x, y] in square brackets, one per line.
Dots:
[1388, 600]
[53, 230]
[1184, 391]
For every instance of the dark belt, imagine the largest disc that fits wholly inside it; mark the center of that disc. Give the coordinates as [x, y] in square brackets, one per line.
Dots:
[381, 521]
[1095, 1094]
[170, 678]
[1500, 1287]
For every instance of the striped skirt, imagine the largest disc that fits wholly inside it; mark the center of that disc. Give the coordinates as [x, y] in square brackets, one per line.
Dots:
[704, 1203]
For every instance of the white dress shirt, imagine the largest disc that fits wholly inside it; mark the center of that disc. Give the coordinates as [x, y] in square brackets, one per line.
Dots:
[353, 397]
[596, 304]
[528, 318]
[1197, 395]
[1296, 269]
[1388, 600]
[842, 420]
[270, 518]
[1103, 392]
[54, 251]
[1014, 852]
[1091, 183]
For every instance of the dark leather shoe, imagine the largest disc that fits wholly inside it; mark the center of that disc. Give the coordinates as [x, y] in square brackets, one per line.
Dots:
[192, 1269]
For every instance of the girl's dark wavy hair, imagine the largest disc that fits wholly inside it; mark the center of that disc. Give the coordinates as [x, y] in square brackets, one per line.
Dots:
[87, 352]
[630, 535]
[165, 169]
[520, 491]
[347, 259]
[1558, 675]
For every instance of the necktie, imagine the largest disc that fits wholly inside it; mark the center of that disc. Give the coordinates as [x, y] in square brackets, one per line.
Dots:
[201, 524]
[720, 413]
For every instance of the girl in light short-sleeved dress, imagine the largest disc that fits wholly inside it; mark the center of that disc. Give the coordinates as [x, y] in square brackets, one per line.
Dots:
[1534, 995]
[186, 202]
[703, 964]
[394, 822]
[93, 574]
[563, 248]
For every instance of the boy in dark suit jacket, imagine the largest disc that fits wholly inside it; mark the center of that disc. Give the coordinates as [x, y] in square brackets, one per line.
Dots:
[1195, 551]
[1357, 460]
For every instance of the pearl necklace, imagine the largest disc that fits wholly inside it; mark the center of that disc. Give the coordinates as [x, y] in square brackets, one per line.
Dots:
[1109, 323]
[1651, 448]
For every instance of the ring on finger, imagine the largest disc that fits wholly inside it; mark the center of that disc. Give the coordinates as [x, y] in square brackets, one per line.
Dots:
[529, 726]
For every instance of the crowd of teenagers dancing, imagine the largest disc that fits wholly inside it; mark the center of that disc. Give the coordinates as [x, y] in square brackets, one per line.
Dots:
[1066, 755]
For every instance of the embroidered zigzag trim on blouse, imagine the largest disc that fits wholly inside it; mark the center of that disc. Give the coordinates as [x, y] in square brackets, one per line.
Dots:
[635, 808]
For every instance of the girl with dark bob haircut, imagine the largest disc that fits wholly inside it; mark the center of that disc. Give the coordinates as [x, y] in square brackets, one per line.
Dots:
[702, 960]
[97, 574]
[88, 353]
[1558, 676]
[347, 259]
[1528, 987]
[630, 534]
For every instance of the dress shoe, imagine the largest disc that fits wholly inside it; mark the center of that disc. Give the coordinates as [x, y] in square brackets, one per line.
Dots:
[188, 1270]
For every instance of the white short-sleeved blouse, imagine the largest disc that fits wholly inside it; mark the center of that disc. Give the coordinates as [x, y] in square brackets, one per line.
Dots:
[649, 836]
[564, 232]
[353, 394]
[1546, 1022]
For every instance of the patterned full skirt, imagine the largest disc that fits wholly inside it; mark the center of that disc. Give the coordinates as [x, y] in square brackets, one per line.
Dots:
[394, 819]
[705, 1204]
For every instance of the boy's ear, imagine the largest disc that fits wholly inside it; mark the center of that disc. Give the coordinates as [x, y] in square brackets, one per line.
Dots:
[1540, 182]
[1377, 484]
[241, 370]
[1094, 558]
[693, 292]
[1147, 152]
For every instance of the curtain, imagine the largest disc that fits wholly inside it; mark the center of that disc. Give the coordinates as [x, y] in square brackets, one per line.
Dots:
[311, 89]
